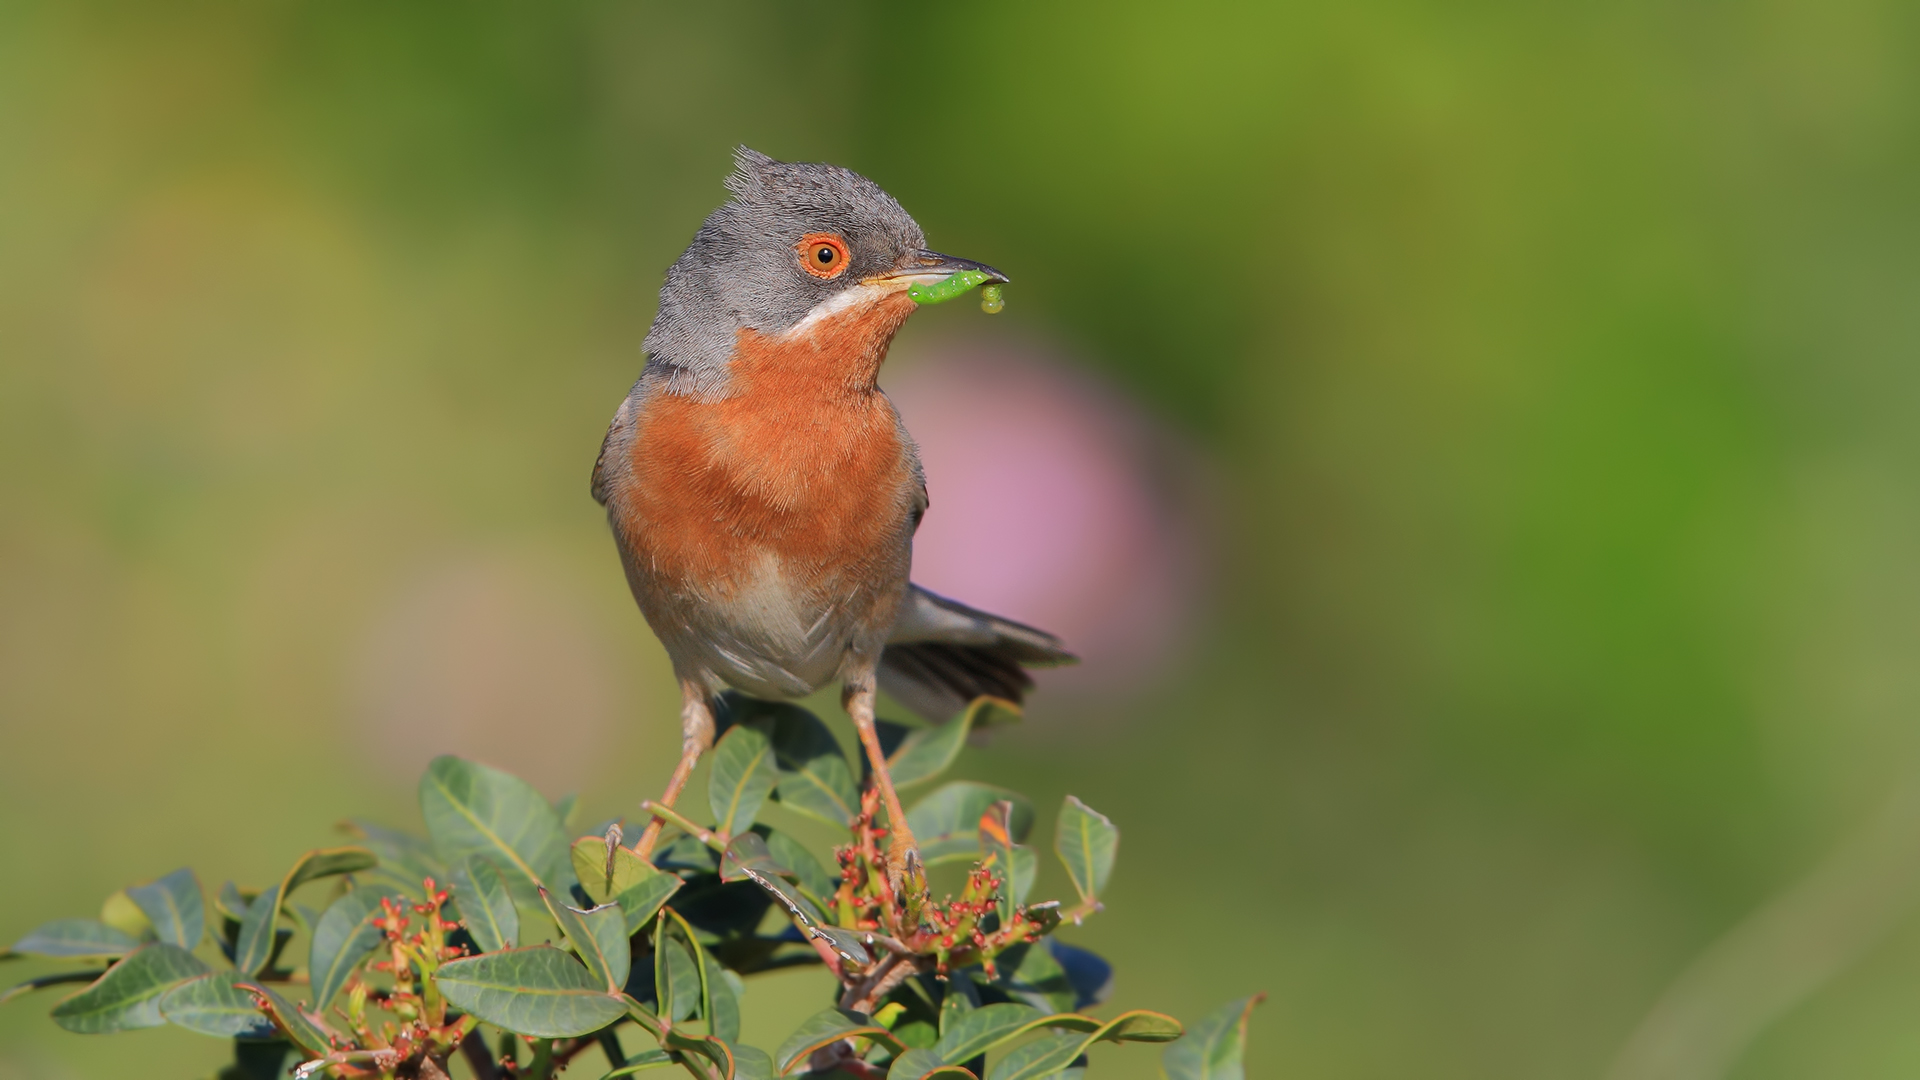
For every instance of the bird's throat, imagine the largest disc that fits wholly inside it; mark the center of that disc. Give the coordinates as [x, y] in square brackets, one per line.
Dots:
[836, 350]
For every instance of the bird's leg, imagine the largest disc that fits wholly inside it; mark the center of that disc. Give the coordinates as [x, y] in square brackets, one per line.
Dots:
[696, 738]
[903, 855]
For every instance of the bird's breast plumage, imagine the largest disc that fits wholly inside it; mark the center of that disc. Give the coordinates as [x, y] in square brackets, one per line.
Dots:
[771, 525]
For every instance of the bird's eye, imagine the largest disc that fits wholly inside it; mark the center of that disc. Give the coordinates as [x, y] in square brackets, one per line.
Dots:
[823, 255]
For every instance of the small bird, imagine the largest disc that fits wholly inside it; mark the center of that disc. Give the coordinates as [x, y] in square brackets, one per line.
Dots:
[762, 490]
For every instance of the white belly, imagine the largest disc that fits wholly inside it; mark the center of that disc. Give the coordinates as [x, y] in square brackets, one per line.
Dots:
[770, 638]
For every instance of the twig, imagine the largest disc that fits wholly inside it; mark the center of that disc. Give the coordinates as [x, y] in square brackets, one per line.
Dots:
[581, 1046]
[672, 817]
[541, 1067]
[858, 991]
[1081, 910]
[893, 944]
[381, 1059]
[906, 967]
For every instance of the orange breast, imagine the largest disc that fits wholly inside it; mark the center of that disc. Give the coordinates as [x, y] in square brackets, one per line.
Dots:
[802, 459]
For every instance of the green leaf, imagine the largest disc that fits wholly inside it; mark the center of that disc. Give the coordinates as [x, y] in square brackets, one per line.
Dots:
[955, 1004]
[128, 995]
[342, 938]
[947, 822]
[175, 907]
[473, 810]
[973, 1033]
[45, 981]
[1085, 841]
[257, 927]
[590, 866]
[782, 890]
[815, 778]
[676, 978]
[1026, 870]
[540, 991]
[213, 1005]
[1016, 865]
[640, 1015]
[599, 935]
[1029, 973]
[250, 953]
[845, 943]
[980, 1031]
[723, 1019]
[704, 1055]
[750, 1062]
[748, 851]
[742, 778]
[486, 908]
[790, 853]
[825, 1028]
[925, 1065]
[326, 862]
[306, 1033]
[991, 712]
[926, 754]
[912, 1030]
[405, 856]
[687, 853]
[1140, 1025]
[644, 1060]
[976, 1032]
[1041, 1057]
[72, 939]
[564, 807]
[641, 903]
[230, 902]
[120, 912]
[1215, 1047]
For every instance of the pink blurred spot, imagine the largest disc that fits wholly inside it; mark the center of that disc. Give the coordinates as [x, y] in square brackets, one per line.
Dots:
[1055, 501]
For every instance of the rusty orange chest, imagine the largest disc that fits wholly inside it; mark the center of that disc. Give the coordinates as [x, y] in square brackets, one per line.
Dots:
[799, 467]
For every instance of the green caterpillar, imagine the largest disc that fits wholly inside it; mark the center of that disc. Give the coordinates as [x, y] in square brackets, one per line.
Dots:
[956, 284]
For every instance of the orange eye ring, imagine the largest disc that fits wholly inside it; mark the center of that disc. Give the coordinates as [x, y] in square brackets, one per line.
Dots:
[824, 255]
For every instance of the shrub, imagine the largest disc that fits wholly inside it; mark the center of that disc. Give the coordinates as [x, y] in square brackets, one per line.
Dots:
[496, 941]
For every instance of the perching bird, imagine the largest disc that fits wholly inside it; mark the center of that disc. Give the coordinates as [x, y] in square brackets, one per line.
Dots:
[762, 490]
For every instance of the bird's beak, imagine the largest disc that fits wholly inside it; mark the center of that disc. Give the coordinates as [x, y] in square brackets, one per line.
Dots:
[932, 277]
[930, 267]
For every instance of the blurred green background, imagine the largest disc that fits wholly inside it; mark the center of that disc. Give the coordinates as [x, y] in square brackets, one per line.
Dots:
[1555, 362]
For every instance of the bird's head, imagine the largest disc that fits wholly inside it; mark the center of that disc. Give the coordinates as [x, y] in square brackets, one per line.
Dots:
[798, 243]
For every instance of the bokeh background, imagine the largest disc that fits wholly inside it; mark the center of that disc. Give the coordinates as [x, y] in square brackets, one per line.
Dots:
[1514, 406]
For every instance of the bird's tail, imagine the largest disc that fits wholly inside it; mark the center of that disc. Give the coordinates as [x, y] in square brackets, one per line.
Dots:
[943, 654]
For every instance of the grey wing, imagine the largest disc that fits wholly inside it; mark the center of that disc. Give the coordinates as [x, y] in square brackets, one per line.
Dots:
[619, 433]
[942, 654]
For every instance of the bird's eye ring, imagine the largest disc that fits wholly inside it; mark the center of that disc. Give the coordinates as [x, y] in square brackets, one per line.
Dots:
[824, 255]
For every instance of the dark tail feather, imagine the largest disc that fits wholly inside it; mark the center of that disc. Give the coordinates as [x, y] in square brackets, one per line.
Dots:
[943, 654]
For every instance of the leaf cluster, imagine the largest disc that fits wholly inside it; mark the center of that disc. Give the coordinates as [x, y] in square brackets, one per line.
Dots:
[502, 940]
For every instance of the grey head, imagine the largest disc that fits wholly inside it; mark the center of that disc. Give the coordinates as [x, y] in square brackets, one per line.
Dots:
[745, 268]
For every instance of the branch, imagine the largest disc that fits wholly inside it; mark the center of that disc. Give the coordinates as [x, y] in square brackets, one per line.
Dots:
[672, 817]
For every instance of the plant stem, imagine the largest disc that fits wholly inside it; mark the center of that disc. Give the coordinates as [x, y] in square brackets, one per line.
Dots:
[672, 817]
[1081, 910]
[541, 1068]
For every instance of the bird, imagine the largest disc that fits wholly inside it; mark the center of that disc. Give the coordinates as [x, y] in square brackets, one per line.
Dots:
[762, 491]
